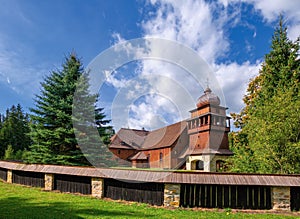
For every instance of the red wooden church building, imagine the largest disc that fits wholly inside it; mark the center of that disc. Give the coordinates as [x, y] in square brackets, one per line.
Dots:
[198, 143]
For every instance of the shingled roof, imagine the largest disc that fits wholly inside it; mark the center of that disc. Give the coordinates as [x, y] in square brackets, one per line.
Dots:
[128, 139]
[139, 156]
[164, 137]
[161, 176]
[145, 140]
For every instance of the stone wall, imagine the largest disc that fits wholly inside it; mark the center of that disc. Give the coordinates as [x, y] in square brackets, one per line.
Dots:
[281, 198]
[172, 195]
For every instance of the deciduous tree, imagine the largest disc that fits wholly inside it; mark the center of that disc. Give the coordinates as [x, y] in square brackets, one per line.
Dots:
[270, 121]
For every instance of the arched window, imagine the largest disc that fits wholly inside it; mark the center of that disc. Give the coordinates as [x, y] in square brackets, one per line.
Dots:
[161, 159]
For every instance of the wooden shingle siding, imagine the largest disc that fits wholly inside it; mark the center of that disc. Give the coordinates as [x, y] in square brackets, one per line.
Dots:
[150, 193]
[28, 178]
[72, 184]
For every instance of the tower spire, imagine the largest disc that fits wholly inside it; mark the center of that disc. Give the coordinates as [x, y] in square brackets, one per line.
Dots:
[207, 83]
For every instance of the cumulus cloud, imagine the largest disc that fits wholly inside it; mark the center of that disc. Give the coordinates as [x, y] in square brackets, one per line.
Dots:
[290, 9]
[192, 24]
[271, 9]
[234, 79]
[202, 26]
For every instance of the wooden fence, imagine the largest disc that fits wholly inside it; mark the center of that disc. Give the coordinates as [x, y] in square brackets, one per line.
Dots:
[295, 198]
[224, 196]
[28, 178]
[150, 193]
[72, 184]
[178, 189]
[3, 174]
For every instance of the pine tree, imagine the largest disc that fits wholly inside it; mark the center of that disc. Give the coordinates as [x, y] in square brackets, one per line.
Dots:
[270, 131]
[52, 131]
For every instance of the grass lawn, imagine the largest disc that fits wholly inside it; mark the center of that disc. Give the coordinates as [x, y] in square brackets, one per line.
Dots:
[23, 202]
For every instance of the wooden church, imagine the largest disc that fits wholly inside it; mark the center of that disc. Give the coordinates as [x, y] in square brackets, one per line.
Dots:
[198, 143]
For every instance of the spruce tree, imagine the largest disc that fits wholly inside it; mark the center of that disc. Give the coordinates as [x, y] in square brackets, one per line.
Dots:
[91, 128]
[270, 131]
[52, 131]
[14, 130]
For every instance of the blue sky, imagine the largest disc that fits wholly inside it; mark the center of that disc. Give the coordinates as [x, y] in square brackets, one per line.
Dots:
[231, 36]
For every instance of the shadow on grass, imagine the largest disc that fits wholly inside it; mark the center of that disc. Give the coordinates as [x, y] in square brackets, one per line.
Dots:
[14, 207]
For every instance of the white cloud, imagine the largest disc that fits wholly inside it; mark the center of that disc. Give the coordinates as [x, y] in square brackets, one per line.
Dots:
[290, 9]
[192, 24]
[112, 80]
[234, 79]
[271, 10]
[16, 72]
[202, 26]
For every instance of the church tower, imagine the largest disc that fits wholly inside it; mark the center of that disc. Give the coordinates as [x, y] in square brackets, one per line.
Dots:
[208, 130]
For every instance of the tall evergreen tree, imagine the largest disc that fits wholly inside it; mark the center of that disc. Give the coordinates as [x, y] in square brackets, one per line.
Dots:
[91, 128]
[270, 131]
[52, 130]
[14, 130]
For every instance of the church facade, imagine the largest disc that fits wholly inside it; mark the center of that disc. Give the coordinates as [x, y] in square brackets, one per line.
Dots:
[197, 143]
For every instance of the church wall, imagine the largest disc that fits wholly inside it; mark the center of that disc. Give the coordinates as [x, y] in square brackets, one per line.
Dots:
[218, 140]
[180, 146]
[156, 162]
[199, 112]
[121, 156]
[199, 140]
[218, 110]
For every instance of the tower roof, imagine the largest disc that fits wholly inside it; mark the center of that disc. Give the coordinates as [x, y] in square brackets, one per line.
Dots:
[208, 98]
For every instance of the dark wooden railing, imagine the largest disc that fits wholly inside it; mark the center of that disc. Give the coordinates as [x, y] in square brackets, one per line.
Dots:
[28, 178]
[72, 184]
[3, 174]
[295, 198]
[224, 196]
[151, 193]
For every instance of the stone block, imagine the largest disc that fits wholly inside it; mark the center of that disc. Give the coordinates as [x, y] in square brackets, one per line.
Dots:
[281, 198]
[172, 195]
[97, 187]
[9, 176]
[49, 181]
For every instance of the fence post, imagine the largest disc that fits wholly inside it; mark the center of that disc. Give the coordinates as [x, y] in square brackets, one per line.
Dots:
[97, 187]
[172, 195]
[49, 181]
[281, 198]
[9, 176]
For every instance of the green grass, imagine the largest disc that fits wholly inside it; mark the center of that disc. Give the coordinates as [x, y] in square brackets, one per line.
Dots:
[23, 202]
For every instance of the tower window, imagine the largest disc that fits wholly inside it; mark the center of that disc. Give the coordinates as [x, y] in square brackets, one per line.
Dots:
[220, 165]
[199, 165]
